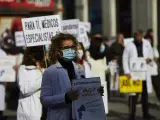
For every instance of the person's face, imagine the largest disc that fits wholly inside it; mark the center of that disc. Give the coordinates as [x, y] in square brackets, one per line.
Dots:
[120, 38]
[67, 50]
[151, 34]
[138, 37]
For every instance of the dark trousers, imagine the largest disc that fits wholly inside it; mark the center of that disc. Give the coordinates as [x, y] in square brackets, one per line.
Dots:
[108, 84]
[156, 83]
[44, 113]
[133, 101]
[1, 115]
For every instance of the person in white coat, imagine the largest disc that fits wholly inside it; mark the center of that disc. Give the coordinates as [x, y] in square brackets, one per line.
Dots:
[29, 82]
[2, 91]
[155, 64]
[138, 48]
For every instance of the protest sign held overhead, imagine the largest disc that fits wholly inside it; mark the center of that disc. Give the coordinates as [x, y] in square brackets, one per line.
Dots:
[90, 104]
[83, 36]
[71, 27]
[40, 30]
[19, 38]
[87, 26]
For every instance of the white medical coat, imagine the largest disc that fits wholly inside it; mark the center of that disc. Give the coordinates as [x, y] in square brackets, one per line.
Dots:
[130, 52]
[2, 87]
[29, 106]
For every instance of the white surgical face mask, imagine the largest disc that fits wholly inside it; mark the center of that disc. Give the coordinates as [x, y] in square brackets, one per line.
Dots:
[80, 54]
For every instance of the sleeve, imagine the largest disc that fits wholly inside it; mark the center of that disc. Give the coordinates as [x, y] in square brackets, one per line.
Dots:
[28, 84]
[151, 55]
[48, 98]
[125, 60]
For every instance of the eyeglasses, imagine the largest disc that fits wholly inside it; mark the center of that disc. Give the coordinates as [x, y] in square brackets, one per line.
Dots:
[69, 47]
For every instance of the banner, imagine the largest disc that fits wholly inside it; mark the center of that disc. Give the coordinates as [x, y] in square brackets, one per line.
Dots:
[90, 105]
[7, 74]
[19, 38]
[83, 37]
[138, 68]
[71, 27]
[40, 30]
[130, 86]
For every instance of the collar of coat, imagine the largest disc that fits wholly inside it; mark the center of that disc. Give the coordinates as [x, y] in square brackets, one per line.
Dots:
[58, 65]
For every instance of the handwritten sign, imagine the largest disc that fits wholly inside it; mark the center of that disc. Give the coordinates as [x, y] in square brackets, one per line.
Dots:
[87, 26]
[19, 38]
[83, 36]
[71, 27]
[130, 86]
[7, 74]
[138, 68]
[90, 105]
[40, 30]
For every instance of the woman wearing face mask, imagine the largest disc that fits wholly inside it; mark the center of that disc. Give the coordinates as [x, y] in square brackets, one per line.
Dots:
[29, 82]
[97, 60]
[82, 59]
[56, 92]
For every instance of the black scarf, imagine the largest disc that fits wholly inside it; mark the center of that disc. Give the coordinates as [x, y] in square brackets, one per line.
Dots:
[68, 65]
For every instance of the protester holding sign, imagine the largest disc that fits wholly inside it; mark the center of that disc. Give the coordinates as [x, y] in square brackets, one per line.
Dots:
[29, 82]
[56, 92]
[137, 49]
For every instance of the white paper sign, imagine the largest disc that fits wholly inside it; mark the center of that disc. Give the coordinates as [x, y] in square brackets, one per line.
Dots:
[114, 78]
[83, 36]
[7, 74]
[71, 27]
[138, 64]
[87, 26]
[90, 105]
[19, 38]
[40, 30]
[128, 40]
[138, 68]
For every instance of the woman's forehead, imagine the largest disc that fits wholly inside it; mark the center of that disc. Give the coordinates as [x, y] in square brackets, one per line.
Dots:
[67, 43]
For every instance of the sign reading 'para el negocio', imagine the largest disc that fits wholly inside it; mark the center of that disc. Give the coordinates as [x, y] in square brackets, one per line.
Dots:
[40, 30]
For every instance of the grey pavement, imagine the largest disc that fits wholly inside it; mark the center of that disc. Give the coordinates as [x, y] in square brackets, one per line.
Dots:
[118, 109]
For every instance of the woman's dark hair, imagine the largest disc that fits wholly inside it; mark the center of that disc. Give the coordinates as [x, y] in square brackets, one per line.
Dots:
[32, 55]
[95, 48]
[148, 36]
[56, 44]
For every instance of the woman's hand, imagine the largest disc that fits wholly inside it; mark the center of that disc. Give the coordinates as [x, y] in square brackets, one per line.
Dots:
[71, 96]
[101, 90]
